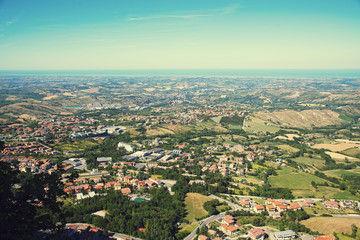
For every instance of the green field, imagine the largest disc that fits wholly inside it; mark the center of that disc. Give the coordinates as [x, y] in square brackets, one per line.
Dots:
[79, 144]
[194, 206]
[353, 152]
[189, 227]
[339, 173]
[156, 176]
[318, 163]
[291, 178]
[258, 125]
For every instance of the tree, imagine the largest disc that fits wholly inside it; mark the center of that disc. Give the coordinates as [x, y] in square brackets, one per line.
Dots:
[28, 203]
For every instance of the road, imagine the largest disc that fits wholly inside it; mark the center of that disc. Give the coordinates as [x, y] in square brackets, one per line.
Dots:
[346, 216]
[233, 206]
[206, 222]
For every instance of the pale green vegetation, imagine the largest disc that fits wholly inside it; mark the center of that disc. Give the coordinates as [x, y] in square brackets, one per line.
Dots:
[194, 206]
[317, 162]
[287, 148]
[258, 125]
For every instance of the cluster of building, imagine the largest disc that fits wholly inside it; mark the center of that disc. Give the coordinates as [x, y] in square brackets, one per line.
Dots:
[87, 185]
[27, 148]
[75, 231]
[333, 204]
[31, 164]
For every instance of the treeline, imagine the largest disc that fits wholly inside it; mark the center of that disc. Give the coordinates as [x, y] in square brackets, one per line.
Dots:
[269, 192]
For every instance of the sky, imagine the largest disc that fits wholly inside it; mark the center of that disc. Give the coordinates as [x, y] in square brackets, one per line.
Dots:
[170, 34]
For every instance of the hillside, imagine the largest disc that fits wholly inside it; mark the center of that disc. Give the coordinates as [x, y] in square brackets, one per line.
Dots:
[302, 119]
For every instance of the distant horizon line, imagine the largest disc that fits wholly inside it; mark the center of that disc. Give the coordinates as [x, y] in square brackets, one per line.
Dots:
[180, 69]
[311, 73]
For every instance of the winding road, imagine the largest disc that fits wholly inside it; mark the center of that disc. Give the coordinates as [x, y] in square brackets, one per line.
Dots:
[233, 206]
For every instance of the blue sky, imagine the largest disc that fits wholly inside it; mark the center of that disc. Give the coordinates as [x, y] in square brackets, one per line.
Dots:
[197, 34]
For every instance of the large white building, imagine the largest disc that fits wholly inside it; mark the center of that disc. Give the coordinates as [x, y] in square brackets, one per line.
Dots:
[126, 146]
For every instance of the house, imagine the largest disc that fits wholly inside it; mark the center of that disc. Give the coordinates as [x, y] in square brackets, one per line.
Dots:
[104, 160]
[325, 237]
[257, 234]
[155, 180]
[125, 146]
[203, 237]
[229, 230]
[275, 215]
[117, 186]
[125, 191]
[331, 204]
[347, 204]
[259, 208]
[294, 206]
[309, 201]
[283, 235]
[281, 208]
[245, 203]
[270, 208]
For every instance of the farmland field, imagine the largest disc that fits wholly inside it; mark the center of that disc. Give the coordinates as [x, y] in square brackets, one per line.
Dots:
[335, 147]
[290, 178]
[339, 173]
[319, 163]
[329, 225]
[287, 148]
[341, 157]
[258, 125]
[354, 152]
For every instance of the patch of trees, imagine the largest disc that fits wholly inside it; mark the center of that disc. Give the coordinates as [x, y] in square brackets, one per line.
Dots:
[28, 203]
[267, 191]
[210, 207]
[159, 216]
[233, 120]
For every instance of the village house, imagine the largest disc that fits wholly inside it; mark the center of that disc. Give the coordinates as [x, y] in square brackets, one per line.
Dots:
[125, 191]
[331, 204]
[229, 230]
[258, 208]
[203, 237]
[257, 234]
[283, 235]
[325, 237]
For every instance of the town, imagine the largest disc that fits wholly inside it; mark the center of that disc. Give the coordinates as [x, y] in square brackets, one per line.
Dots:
[216, 160]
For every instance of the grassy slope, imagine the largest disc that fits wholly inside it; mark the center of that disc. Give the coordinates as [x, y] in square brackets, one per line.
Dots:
[194, 206]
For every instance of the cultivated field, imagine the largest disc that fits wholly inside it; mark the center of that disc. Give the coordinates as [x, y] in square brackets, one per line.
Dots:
[318, 163]
[287, 148]
[354, 152]
[336, 147]
[339, 173]
[302, 119]
[341, 157]
[291, 178]
[329, 225]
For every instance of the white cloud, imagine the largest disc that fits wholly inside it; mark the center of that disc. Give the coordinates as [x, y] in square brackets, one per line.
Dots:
[168, 16]
[205, 13]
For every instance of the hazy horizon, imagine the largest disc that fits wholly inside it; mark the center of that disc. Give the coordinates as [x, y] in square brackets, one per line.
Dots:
[298, 73]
